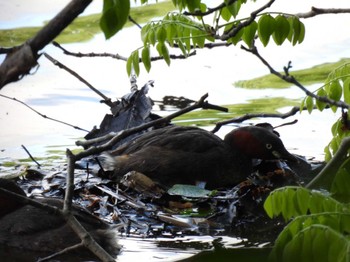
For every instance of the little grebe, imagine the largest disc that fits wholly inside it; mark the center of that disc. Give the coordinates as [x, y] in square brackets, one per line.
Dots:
[33, 229]
[186, 155]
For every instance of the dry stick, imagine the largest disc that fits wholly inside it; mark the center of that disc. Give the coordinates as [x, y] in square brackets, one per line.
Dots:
[42, 115]
[30, 155]
[86, 238]
[106, 99]
[114, 138]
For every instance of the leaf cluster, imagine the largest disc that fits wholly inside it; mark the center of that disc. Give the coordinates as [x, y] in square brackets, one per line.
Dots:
[319, 230]
[336, 88]
[188, 30]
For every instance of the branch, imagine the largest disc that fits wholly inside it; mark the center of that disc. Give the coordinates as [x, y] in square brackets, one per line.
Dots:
[22, 59]
[42, 115]
[117, 56]
[115, 138]
[320, 11]
[210, 10]
[251, 19]
[106, 99]
[243, 118]
[290, 79]
[86, 238]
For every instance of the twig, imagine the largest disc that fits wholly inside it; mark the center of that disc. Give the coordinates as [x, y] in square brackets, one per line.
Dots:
[42, 115]
[117, 56]
[114, 138]
[290, 79]
[79, 54]
[30, 155]
[233, 32]
[86, 238]
[134, 22]
[61, 252]
[106, 99]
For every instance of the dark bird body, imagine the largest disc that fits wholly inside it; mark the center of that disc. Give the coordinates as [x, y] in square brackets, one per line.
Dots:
[186, 155]
[30, 229]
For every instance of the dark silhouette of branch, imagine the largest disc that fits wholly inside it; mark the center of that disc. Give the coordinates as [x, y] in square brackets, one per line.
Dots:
[106, 99]
[42, 115]
[31, 157]
[290, 79]
[20, 60]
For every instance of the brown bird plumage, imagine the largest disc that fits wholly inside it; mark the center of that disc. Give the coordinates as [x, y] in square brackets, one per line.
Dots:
[186, 155]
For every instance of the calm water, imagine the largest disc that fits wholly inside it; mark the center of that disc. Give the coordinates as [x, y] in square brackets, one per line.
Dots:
[57, 94]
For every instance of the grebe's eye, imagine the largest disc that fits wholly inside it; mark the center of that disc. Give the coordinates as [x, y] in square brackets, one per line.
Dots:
[269, 146]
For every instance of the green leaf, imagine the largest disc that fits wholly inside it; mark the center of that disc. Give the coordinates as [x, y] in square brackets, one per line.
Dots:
[146, 59]
[309, 103]
[164, 52]
[226, 14]
[281, 31]
[136, 62]
[166, 56]
[266, 26]
[313, 243]
[114, 16]
[321, 105]
[299, 201]
[233, 8]
[297, 32]
[161, 34]
[302, 104]
[341, 184]
[144, 33]
[249, 33]
[335, 92]
[346, 90]
[129, 65]
[171, 33]
[152, 37]
[188, 191]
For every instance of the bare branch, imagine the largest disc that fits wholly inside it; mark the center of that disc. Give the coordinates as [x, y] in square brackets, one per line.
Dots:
[245, 117]
[290, 79]
[119, 57]
[251, 19]
[42, 115]
[106, 99]
[321, 11]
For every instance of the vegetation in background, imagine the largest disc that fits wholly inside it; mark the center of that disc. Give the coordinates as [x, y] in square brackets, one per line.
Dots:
[83, 28]
[313, 75]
